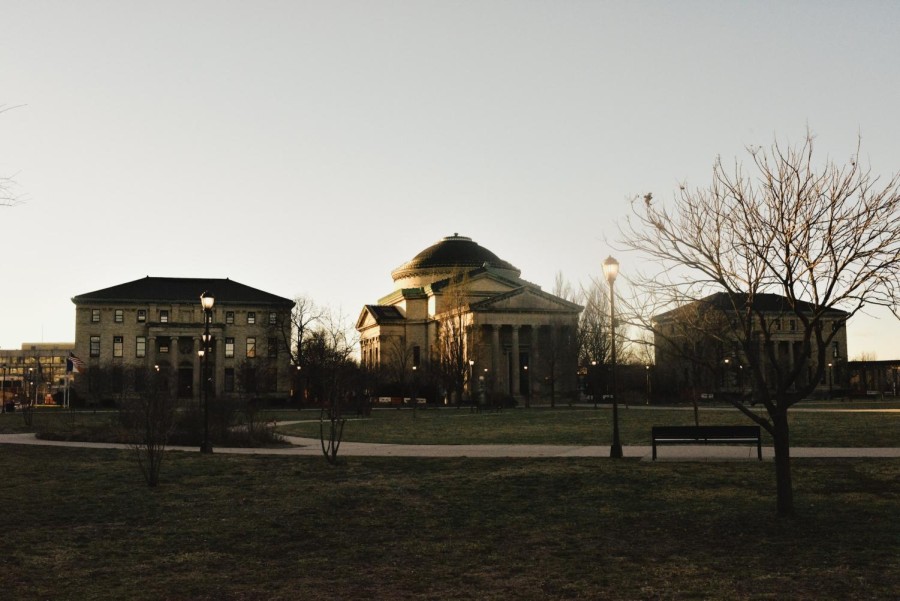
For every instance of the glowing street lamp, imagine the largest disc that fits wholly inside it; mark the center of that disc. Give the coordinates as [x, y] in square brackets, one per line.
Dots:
[611, 270]
[206, 302]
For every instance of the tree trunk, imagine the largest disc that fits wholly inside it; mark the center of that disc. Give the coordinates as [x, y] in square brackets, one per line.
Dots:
[783, 480]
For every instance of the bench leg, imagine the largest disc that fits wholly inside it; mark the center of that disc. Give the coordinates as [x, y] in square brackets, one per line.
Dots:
[654, 450]
[759, 449]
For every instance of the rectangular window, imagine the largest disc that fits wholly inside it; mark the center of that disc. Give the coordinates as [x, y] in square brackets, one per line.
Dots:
[793, 325]
[163, 316]
[140, 346]
[163, 345]
[777, 325]
[251, 317]
[229, 379]
[229, 316]
[251, 348]
[142, 315]
[119, 316]
[229, 348]
[95, 346]
[118, 346]
[95, 315]
[273, 318]
[273, 347]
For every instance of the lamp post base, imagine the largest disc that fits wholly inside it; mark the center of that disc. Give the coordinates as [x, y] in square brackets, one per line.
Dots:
[615, 451]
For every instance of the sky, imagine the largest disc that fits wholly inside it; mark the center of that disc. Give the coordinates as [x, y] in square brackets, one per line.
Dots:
[309, 148]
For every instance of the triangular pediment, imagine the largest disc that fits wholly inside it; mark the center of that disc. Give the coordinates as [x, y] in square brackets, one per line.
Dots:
[526, 299]
[372, 315]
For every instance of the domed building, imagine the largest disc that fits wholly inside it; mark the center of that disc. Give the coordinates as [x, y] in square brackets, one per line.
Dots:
[463, 319]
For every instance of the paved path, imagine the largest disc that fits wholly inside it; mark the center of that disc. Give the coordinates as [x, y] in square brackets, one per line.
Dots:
[311, 447]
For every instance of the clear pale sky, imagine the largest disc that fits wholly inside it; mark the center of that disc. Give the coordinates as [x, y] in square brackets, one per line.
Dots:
[308, 148]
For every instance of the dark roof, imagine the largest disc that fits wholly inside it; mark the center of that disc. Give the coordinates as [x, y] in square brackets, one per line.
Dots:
[764, 302]
[385, 313]
[182, 290]
[452, 252]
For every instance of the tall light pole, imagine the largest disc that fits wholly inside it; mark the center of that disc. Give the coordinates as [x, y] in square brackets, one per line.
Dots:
[830, 380]
[611, 270]
[647, 368]
[471, 383]
[206, 301]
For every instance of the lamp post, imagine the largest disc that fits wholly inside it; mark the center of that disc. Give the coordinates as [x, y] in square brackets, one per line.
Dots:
[647, 369]
[206, 301]
[471, 383]
[528, 386]
[830, 379]
[611, 270]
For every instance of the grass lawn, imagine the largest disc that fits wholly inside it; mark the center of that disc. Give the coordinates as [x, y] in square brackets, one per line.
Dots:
[81, 524]
[582, 426]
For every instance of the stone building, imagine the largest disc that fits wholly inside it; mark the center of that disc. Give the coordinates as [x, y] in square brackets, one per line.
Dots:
[457, 302]
[157, 323]
[699, 346]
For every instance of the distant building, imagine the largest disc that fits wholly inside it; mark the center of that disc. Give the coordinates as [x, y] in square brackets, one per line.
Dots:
[35, 371]
[697, 352]
[874, 378]
[157, 323]
[456, 297]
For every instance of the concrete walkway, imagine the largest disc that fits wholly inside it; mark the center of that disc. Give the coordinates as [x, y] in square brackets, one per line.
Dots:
[311, 447]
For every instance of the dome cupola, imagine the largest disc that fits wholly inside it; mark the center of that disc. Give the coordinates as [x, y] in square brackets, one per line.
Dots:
[450, 255]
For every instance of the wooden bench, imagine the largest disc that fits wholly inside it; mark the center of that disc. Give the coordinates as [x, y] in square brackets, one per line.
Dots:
[661, 435]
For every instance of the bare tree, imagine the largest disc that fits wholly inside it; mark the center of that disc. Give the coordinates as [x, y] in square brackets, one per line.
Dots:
[453, 347]
[562, 288]
[8, 194]
[822, 237]
[337, 378]
[295, 334]
[559, 353]
[147, 416]
[593, 325]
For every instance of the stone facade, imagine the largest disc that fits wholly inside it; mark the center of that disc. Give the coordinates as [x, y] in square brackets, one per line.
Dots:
[695, 350]
[514, 338]
[157, 324]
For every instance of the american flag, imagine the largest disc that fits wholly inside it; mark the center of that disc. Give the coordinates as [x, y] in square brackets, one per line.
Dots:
[74, 364]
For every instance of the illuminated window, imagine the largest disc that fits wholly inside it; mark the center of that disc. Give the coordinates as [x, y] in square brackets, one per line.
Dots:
[95, 346]
[118, 346]
[229, 347]
[95, 315]
[251, 317]
[142, 315]
[140, 346]
[163, 316]
[251, 347]
[119, 316]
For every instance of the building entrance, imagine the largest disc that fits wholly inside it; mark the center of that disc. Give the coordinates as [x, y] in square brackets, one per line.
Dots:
[185, 382]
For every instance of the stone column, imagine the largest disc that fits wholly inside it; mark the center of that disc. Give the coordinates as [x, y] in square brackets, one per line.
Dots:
[198, 368]
[495, 352]
[217, 369]
[514, 361]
